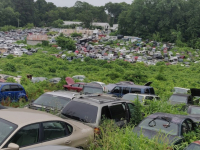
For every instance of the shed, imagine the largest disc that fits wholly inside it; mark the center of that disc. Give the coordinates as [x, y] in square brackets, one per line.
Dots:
[34, 39]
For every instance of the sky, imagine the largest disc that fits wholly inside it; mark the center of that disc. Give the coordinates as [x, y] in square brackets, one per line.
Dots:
[70, 3]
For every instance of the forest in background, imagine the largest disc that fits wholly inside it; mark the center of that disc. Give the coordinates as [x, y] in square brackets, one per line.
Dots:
[161, 20]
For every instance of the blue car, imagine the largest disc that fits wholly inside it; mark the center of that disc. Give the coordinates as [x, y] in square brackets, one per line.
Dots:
[12, 92]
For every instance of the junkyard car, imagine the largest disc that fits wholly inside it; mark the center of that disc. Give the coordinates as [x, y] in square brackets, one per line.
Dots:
[167, 126]
[91, 110]
[30, 128]
[140, 97]
[12, 91]
[72, 86]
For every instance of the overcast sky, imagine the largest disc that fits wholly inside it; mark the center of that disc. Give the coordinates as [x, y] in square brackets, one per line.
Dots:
[70, 3]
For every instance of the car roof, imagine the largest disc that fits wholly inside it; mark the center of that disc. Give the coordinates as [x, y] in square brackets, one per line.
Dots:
[134, 86]
[177, 119]
[21, 116]
[63, 93]
[98, 100]
[141, 94]
[52, 147]
[6, 83]
[93, 85]
[180, 94]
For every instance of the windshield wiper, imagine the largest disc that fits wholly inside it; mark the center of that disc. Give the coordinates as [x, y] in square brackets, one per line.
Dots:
[162, 118]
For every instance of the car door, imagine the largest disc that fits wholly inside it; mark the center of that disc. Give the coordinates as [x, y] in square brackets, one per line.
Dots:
[119, 113]
[5, 92]
[14, 92]
[117, 91]
[57, 133]
[27, 137]
[74, 87]
[80, 88]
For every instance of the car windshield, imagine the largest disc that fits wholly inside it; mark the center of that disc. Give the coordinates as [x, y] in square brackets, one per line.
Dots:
[193, 146]
[133, 97]
[195, 110]
[81, 112]
[52, 101]
[178, 98]
[6, 128]
[92, 90]
[159, 125]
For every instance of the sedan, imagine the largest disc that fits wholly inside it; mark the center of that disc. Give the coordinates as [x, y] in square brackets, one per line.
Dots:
[25, 128]
[162, 124]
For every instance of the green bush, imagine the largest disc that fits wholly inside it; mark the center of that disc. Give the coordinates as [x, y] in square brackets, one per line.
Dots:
[10, 56]
[75, 34]
[10, 67]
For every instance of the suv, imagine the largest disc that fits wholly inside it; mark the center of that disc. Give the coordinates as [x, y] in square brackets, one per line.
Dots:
[13, 91]
[53, 101]
[92, 109]
[121, 90]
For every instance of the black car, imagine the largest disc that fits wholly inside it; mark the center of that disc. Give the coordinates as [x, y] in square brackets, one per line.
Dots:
[168, 126]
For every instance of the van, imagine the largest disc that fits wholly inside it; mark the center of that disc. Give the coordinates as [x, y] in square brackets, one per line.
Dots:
[121, 90]
[12, 92]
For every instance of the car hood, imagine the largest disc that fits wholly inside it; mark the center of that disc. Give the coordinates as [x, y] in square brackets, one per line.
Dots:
[69, 81]
[169, 139]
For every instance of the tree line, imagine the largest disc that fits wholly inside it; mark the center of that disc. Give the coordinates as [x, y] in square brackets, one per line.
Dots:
[160, 20]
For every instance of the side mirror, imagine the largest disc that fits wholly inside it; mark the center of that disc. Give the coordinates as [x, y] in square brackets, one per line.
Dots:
[13, 146]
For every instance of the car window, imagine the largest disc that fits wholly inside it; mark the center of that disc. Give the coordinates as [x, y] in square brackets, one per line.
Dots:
[14, 88]
[81, 112]
[20, 88]
[5, 88]
[134, 90]
[105, 113]
[54, 130]
[131, 109]
[52, 101]
[81, 85]
[159, 125]
[6, 128]
[151, 91]
[116, 90]
[190, 125]
[146, 91]
[26, 136]
[75, 85]
[125, 90]
[118, 112]
[177, 98]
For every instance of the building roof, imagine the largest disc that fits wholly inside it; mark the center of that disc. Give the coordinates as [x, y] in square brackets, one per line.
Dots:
[37, 37]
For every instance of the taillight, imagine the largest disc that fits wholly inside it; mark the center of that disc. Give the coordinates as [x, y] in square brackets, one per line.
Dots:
[96, 130]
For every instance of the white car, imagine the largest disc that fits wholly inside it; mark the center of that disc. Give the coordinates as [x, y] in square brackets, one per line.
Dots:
[141, 97]
[103, 85]
[26, 128]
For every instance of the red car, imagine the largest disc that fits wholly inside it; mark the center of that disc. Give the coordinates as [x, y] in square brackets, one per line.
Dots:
[72, 86]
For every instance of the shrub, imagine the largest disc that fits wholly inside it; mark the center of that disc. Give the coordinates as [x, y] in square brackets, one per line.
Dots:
[10, 56]
[75, 34]
[10, 67]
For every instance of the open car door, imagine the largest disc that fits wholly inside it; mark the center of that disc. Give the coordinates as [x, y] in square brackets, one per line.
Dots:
[148, 83]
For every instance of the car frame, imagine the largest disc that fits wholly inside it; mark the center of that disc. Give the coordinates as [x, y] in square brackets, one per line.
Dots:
[31, 128]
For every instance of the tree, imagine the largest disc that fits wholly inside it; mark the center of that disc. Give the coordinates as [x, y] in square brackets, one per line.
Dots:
[65, 43]
[58, 23]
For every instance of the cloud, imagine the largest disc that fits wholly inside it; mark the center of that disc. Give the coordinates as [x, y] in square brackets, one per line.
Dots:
[70, 3]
